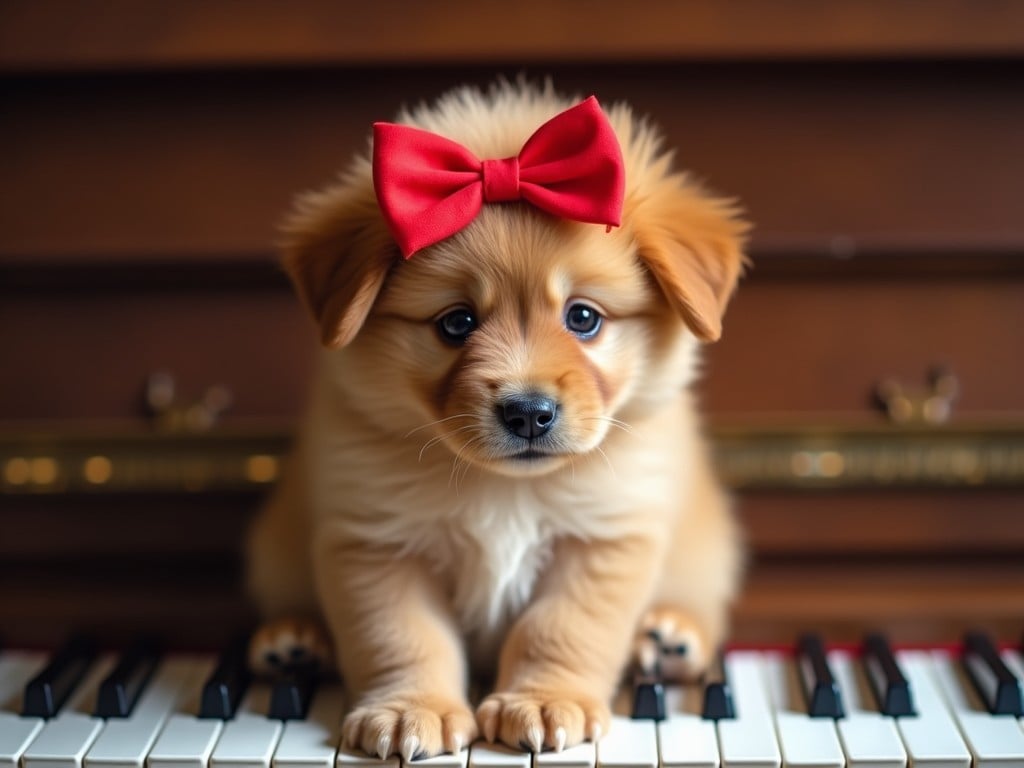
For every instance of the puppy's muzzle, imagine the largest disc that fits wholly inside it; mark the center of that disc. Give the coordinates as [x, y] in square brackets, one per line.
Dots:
[529, 415]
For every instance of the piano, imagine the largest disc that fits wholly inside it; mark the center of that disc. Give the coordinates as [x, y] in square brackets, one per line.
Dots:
[812, 704]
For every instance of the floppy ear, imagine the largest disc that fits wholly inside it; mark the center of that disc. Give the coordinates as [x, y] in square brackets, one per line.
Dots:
[693, 245]
[337, 252]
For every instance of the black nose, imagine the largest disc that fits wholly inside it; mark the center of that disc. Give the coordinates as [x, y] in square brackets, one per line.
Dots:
[529, 415]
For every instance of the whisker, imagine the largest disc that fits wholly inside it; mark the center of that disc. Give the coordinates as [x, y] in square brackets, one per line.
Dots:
[612, 421]
[435, 423]
[435, 440]
[607, 461]
[458, 460]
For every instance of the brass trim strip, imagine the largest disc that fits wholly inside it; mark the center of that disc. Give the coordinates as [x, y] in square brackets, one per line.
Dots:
[747, 458]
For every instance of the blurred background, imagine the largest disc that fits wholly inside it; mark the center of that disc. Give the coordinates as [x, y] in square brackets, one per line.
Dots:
[866, 401]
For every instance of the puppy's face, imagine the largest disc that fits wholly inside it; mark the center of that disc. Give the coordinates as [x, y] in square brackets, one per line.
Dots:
[522, 339]
[518, 343]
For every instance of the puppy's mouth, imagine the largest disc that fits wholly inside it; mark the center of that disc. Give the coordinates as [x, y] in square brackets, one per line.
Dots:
[531, 454]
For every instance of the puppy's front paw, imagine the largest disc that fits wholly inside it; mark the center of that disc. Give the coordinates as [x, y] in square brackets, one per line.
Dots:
[672, 643]
[410, 726]
[534, 720]
[283, 643]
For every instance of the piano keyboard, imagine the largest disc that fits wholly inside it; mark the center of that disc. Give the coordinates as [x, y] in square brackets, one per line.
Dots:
[813, 707]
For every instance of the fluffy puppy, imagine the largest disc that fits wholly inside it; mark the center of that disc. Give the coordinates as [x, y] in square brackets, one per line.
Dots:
[501, 468]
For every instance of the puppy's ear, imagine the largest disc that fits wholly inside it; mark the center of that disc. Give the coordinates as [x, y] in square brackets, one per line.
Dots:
[337, 252]
[693, 245]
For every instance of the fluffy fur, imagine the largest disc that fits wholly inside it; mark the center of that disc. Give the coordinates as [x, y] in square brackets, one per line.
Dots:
[403, 523]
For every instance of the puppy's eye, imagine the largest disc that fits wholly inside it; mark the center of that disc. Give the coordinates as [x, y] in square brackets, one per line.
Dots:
[455, 326]
[583, 320]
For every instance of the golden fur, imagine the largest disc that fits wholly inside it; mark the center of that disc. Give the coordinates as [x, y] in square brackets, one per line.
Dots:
[399, 522]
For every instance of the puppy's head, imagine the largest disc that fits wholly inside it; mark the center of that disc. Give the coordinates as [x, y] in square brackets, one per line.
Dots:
[519, 342]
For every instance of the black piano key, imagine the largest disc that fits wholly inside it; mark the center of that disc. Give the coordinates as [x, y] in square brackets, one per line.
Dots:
[46, 693]
[718, 704]
[821, 690]
[648, 697]
[291, 695]
[888, 683]
[122, 687]
[223, 691]
[1000, 690]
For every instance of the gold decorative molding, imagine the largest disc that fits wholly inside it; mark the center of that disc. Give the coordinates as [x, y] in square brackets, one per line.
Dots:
[225, 460]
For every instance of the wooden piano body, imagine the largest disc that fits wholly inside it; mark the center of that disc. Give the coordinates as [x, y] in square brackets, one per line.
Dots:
[150, 150]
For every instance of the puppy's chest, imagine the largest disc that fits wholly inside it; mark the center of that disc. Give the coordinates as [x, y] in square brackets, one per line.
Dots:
[491, 551]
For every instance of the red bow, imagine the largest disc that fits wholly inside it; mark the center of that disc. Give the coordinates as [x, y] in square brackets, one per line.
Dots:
[430, 187]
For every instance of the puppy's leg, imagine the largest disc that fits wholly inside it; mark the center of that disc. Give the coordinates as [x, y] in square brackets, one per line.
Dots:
[399, 651]
[561, 661]
[280, 580]
[688, 618]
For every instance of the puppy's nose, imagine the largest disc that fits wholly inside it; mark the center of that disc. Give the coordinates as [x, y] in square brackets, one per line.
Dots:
[529, 415]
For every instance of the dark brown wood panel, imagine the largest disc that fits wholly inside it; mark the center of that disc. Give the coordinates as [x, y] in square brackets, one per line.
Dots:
[171, 565]
[810, 348]
[186, 166]
[87, 355]
[43, 34]
[888, 524]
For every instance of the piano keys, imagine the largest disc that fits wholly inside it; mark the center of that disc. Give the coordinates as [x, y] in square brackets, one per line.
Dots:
[815, 706]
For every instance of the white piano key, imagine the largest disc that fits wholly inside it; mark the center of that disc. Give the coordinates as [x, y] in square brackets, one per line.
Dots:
[250, 739]
[16, 669]
[931, 738]
[354, 758]
[579, 756]
[994, 740]
[484, 755]
[629, 744]
[186, 741]
[869, 738]
[313, 742]
[687, 741]
[748, 740]
[803, 740]
[64, 740]
[445, 760]
[1015, 661]
[125, 742]
[746, 679]
[748, 743]
[16, 732]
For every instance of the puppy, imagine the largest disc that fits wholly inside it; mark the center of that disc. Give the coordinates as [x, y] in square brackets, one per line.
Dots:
[501, 471]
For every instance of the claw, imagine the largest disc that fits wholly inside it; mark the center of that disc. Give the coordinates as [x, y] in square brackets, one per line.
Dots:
[456, 744]
[536, 739]
[560, 738]
[410, 747]
[490, 729]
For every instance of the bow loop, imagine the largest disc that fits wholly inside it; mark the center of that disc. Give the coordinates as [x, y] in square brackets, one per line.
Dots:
[430, 187]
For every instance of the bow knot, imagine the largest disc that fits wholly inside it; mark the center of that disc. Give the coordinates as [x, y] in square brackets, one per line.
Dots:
[501, 180]
[430, 187]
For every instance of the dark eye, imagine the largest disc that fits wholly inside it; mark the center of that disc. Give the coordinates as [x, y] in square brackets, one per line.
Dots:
[583, 320]
[455, 326]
